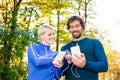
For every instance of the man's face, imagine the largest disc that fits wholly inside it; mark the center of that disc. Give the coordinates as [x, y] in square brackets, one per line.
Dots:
[76, 29]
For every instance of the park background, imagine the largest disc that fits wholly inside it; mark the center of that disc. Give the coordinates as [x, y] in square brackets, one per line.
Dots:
[20, 19]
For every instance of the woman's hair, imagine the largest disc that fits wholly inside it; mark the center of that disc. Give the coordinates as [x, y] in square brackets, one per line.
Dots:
[43, 29]
[73, 18]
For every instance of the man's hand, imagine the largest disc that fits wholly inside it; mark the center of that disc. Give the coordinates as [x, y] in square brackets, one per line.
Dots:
[68, 58]
[79, 60]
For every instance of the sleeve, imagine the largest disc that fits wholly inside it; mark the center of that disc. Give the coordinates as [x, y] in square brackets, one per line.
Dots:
[35, 59]
[57, 73]
[63, 48]
[101, 64]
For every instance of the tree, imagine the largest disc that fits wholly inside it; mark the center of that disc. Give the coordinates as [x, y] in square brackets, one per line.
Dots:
[15, 37]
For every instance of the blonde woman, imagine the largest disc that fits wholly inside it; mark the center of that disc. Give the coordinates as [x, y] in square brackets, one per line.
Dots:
[40, 57]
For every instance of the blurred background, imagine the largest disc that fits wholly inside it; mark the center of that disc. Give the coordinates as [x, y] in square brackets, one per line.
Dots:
[20, 19]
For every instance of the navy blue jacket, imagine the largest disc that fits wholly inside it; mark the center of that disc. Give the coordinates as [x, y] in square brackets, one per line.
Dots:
[96, 60]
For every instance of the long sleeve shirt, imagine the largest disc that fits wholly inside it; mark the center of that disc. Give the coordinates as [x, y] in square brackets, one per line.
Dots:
[40, 66]
[96, 60]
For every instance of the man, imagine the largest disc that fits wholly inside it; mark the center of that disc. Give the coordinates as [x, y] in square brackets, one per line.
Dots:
[92, 58]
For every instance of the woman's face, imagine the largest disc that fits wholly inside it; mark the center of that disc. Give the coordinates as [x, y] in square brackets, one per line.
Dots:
[48, 37]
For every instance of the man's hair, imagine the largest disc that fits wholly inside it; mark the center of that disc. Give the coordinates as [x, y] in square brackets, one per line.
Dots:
[73, 18]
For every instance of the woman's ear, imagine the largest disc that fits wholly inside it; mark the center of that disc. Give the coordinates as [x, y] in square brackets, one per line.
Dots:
[41, 37]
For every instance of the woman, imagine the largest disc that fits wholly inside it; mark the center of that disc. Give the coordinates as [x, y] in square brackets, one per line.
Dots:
[40, 57]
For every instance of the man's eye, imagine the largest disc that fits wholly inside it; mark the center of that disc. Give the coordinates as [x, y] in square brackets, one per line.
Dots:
[77, 25]
[71, 26]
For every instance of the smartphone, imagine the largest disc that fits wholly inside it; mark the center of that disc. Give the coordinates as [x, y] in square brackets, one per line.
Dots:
[59, 56]
[75, 49]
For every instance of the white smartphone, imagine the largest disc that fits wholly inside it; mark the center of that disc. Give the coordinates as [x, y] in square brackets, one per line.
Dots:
[59, 56]
[75, 49]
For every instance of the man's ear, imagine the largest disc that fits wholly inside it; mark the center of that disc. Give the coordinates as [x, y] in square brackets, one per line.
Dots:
[69, 31]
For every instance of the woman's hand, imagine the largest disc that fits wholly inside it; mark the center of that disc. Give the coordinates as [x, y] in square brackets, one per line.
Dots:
[58, 63]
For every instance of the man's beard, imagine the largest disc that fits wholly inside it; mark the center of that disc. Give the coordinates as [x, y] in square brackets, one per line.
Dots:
[76, 37]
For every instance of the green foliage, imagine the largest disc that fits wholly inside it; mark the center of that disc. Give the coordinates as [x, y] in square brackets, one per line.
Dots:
[15, 37]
